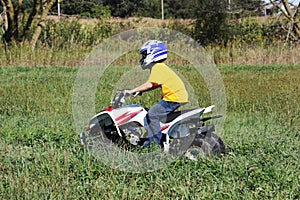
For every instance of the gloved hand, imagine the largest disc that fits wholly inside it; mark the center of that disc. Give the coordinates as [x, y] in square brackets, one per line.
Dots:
[131, 92]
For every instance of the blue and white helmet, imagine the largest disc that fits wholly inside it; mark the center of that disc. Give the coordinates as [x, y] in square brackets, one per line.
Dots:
[152, 52]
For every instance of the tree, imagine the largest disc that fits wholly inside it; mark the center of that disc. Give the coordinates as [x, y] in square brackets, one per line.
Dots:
[124, 8]
[150, 8]
[211, 24]
[13, 30]
[247, 7]
[291, 13]
[181, 9]
[87, 8]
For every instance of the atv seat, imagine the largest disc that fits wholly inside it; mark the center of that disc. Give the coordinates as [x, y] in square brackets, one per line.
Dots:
[171, 116]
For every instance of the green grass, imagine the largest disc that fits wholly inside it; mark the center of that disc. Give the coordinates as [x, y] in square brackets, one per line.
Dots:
[41, 157]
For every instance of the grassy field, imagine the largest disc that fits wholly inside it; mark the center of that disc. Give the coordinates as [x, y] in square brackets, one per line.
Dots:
[41, 156]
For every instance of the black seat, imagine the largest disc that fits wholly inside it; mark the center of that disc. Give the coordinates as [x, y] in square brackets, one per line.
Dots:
[171, 116]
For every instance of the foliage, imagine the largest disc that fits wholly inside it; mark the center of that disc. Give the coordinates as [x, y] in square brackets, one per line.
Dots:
[15, 14]
[211, 25]
[216, 22]
[291, 13]
[67, 41]
[41, 157]
[246, 8]
[124, 8]
[67, 34]
[91, 8]
[183, 9]
[175, 9]
[147, 8]
[216, 25]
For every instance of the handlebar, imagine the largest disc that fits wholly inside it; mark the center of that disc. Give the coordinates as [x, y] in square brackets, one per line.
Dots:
[119, 98]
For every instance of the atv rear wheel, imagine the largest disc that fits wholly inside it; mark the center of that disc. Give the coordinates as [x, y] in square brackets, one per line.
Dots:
[205, 145]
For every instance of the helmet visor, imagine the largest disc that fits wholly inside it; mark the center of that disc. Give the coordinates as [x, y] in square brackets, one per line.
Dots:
[144, 55]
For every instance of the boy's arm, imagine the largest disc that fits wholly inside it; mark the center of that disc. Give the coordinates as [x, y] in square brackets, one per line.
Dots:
[144, 87]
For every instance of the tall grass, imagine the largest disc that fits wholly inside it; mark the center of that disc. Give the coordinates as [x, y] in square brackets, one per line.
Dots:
[255, 55]
[75, 55]
[41, 158]
[67, 42]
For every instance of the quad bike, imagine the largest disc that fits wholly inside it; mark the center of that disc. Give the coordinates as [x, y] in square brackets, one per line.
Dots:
[184, 132]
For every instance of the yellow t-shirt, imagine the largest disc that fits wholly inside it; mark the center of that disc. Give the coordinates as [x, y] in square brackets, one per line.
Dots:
[172, 86]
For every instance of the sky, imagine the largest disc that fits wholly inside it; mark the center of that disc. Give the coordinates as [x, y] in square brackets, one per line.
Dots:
[295, 2]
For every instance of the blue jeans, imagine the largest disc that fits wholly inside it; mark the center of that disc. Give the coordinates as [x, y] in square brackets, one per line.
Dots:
[153, 117]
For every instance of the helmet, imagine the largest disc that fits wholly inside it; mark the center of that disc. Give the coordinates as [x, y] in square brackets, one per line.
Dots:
[152, 52]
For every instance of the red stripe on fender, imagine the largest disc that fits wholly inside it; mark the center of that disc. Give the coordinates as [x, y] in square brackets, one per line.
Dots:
[164, 127]
[126, 116]
[108, 109]
[122, 116]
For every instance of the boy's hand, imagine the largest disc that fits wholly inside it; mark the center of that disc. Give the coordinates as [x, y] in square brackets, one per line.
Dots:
[131, 92]
[127, 92]
[136, 93]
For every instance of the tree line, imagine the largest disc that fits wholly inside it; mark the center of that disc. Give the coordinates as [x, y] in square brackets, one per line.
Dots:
[153, 8]
[215, 20]
[143, 8]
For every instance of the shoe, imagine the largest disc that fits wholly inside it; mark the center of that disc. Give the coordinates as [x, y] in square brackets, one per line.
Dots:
[146, 143]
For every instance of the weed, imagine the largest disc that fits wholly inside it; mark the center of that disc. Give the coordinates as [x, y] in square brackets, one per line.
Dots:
[41, 156]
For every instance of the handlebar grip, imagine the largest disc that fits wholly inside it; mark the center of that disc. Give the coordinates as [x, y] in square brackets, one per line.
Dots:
[139, 93]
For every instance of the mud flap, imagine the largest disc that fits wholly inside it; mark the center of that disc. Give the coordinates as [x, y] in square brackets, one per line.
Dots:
[167, 144]
[82, 138]
[206, 129]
